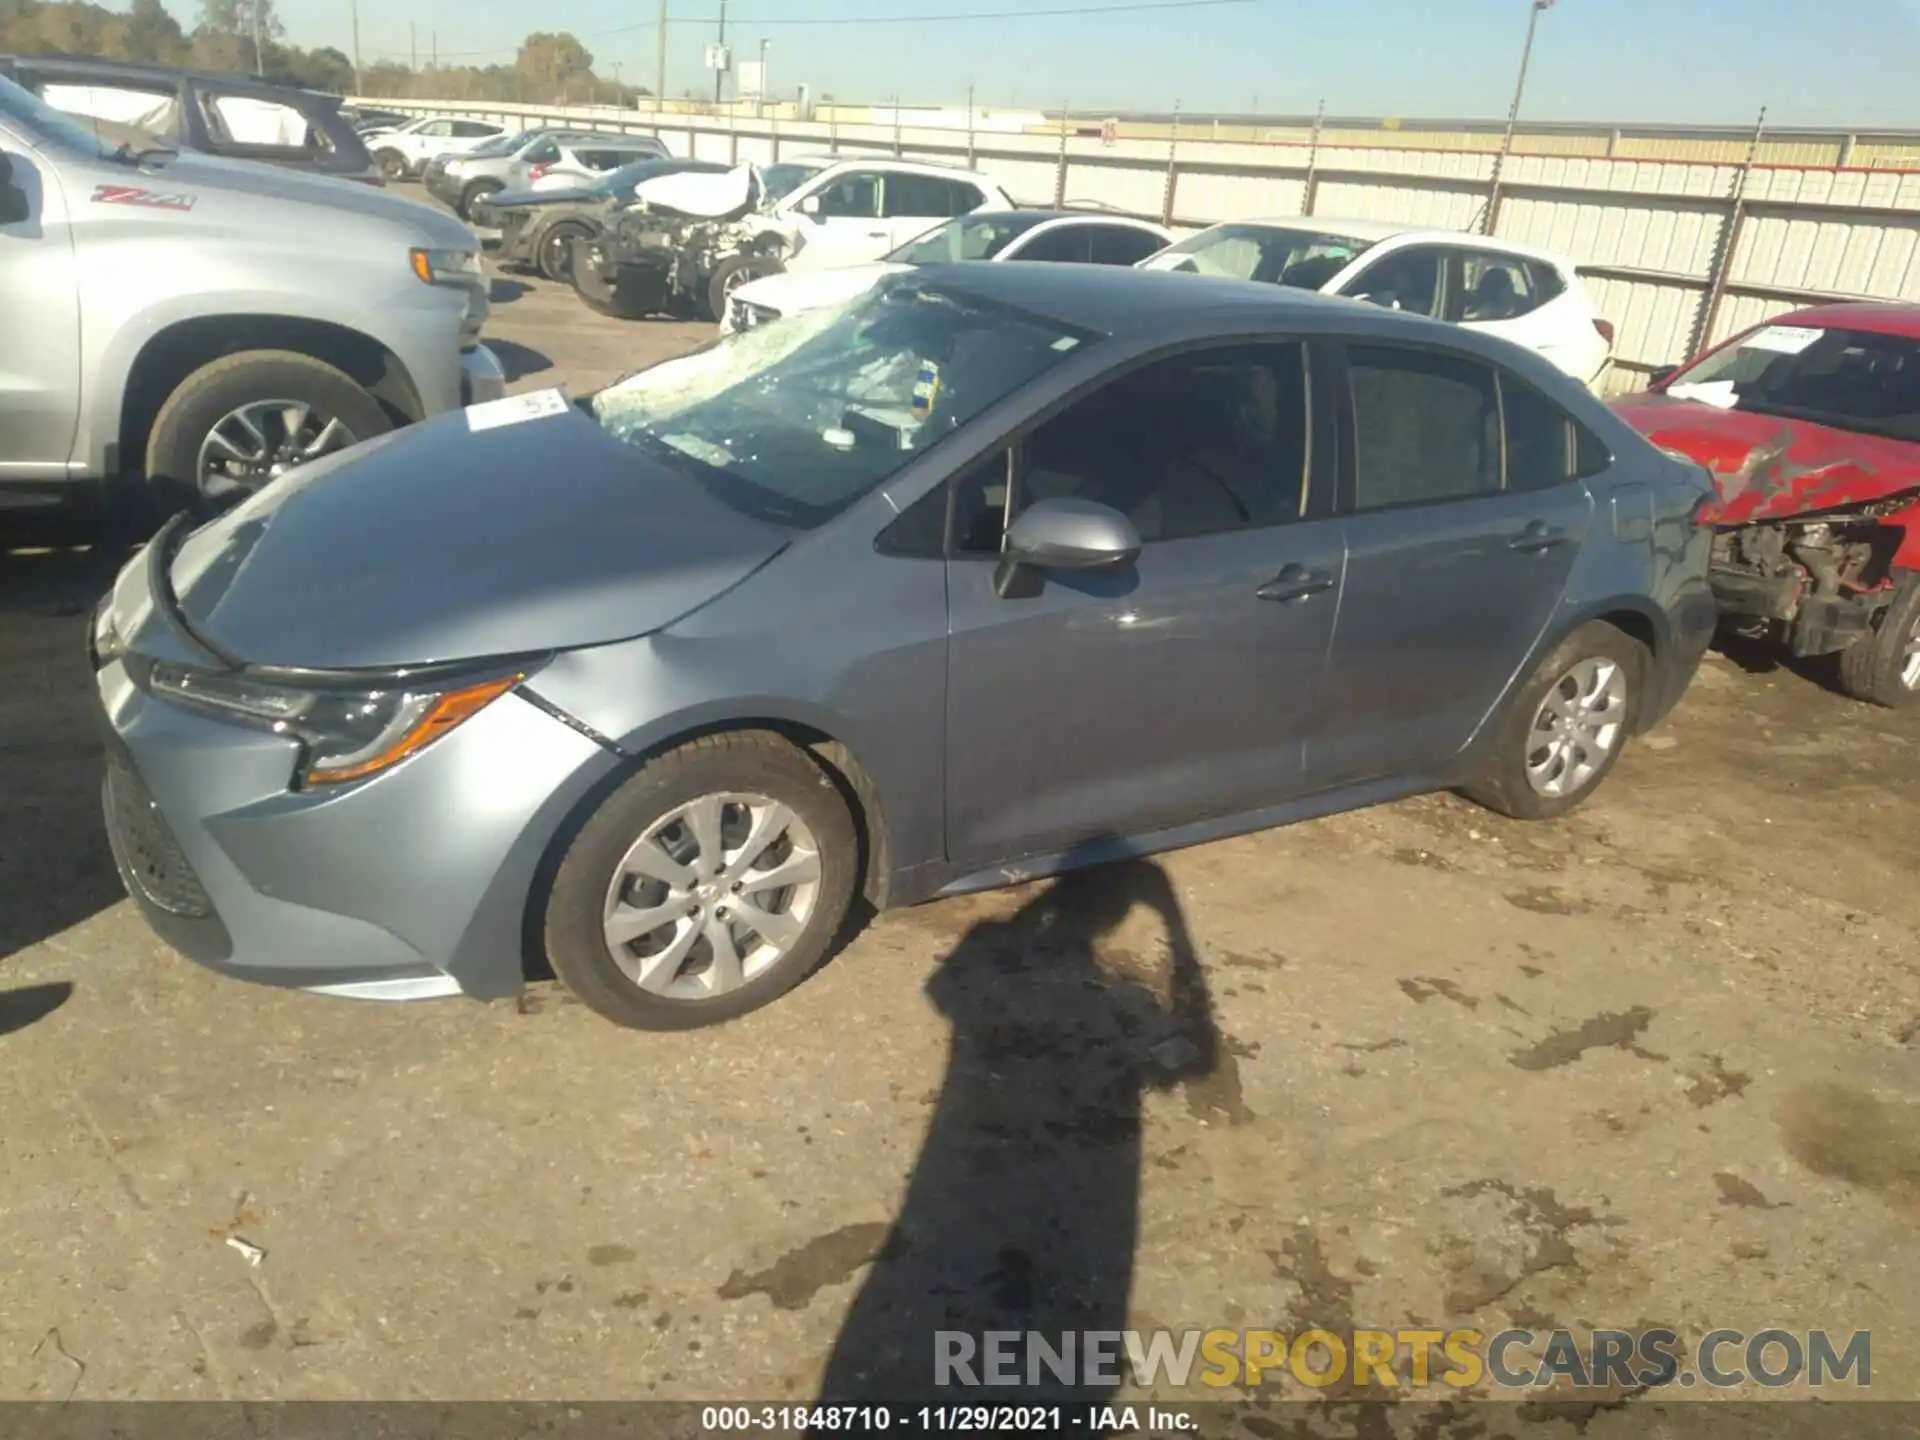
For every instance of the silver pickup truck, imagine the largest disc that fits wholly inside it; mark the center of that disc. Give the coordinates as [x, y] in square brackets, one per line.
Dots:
[206, 324]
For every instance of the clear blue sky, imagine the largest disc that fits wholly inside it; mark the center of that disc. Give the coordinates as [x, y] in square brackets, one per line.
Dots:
[1821, 62]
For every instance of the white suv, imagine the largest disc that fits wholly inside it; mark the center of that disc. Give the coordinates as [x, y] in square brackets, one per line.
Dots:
[1528, 296]
[405, 151]
[859, 209]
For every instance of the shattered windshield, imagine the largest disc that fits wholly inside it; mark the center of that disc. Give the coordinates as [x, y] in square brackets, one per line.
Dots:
[1271, 254]
[1849, 379]
[969, 237]
[792, 422]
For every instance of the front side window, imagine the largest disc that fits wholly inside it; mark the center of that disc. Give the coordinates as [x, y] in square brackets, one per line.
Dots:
[1850, 379]
[114, 111]
[1486, 288]
[967, 237]
[851, 197]
[1067, 244]
[1196, 444]
[791, 423]
[1406, 280]
[45, 124]
[438, 129]
[1271, 254]
[1122, 244]
[1426, 427]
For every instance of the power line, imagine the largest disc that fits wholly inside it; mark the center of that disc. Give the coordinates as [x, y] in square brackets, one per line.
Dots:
[1126, 7]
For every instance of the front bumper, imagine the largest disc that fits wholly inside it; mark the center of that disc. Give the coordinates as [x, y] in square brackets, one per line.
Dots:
[414, 883]
[482, 377]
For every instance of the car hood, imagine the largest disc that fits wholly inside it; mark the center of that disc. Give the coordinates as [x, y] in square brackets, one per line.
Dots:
[442, 542]
[1768, 466]
[792, 291]
[188, 171]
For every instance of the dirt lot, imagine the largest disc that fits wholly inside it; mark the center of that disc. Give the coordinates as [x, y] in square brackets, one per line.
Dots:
[1657, 1064]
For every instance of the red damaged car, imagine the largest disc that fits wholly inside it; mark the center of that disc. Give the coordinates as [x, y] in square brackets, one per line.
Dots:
[1810, 424]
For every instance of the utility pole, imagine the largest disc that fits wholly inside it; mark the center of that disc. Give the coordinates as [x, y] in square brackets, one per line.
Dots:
[413, 48]
[1513, 116]
[436, 50]
[718, 73]
[355, 6]
[660, 63]
[760, 108]
[259, 59]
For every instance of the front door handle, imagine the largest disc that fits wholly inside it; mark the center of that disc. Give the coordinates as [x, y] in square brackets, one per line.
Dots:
[1296, 582]
[1536, 537]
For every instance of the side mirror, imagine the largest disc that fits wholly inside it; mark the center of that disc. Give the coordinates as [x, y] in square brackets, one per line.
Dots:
[1659, 378]
[810, 206]
[1065, 534]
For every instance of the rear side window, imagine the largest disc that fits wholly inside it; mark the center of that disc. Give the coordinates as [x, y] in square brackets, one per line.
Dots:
[855, 196]
[1426, 427]
[473, 129]
[918, 196]
[1123, 245]
[964, 199]
[1063, 242]
[545, 153]
[1539, 437]
[1547, 284]
[1486, 288]
[264, 124]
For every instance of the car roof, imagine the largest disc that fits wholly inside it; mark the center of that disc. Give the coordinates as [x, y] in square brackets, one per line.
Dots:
[1374, 231]
[1882, 317]
[915, 167]
[134, 70]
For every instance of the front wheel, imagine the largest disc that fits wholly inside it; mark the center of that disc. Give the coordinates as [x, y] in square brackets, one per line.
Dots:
[730, 274]
[1565, 727]
[554, 259]
[393, 165]
[708, 885]
[238, 422]
[1882, 667]
[473, 194]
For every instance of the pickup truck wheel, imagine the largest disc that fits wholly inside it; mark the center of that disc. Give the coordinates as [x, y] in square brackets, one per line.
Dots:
[729, 275]
[1882, 667]
[475, 192]
[555, 257]
[393, 164]
[235, 424]
[1565, 726]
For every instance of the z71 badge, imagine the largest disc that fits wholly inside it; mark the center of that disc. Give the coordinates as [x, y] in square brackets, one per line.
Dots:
[134, 195]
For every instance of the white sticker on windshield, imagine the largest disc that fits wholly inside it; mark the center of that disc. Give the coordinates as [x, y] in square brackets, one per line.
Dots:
[1786, 339]
[492, 414]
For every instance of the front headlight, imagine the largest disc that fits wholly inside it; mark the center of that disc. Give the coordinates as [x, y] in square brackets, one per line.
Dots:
[446, 267]
[345, 733]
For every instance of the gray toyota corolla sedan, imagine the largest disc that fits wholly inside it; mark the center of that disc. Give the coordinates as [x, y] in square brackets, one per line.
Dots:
[992, 571]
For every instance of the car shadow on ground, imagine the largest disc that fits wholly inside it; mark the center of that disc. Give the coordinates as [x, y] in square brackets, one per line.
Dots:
[30, 1003]
[55, 868]
[1022, 1212]
[519, 360]
[1766, 657]
[505, 292]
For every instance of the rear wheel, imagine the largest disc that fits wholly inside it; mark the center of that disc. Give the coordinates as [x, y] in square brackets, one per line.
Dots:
[706, 886]
[473, 194]
[238, 422]
[1882, 667]
[1565, 727]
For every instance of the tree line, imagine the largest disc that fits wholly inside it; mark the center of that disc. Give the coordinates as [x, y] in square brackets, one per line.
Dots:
[550, 68]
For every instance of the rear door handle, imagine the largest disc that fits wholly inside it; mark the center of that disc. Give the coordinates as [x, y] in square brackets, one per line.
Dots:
[1296, 582]
[1537, 536]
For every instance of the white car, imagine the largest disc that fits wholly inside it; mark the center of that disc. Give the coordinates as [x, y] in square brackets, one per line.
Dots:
[1528, 296]
[857, 211]
[405, 150]
[1043, 235]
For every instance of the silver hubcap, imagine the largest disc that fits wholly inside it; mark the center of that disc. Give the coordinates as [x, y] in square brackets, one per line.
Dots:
[734, 281]
[1577, 728]
[714, 893]
[557, 248]
[1910, 662]
[253, 444]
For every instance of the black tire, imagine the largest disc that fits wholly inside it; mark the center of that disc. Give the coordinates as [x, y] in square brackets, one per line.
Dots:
[731, 273]
[1502, 784]
[745, 761]
[218, 388]
[1870, 668]
[602, 298]
[553, 257]
[392, 164]
[473, 193]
